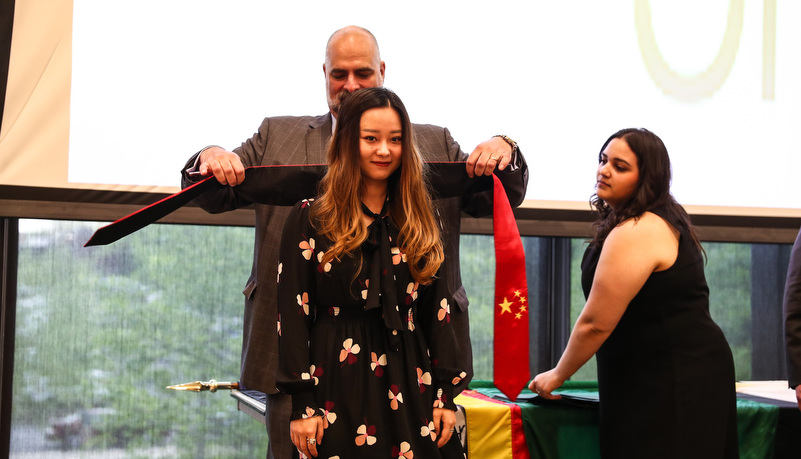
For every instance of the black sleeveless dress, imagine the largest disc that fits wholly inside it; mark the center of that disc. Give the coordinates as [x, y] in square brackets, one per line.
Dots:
[666, 373]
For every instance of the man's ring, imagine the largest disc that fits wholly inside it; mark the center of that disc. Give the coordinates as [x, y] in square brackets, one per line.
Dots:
[453, 430]
[311, 441]
[494, 158]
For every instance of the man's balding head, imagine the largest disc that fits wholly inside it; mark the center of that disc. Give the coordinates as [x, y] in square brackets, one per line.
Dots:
[352, 61]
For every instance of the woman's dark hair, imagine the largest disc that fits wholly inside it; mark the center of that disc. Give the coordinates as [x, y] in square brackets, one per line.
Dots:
[652, 191]
[338, 211]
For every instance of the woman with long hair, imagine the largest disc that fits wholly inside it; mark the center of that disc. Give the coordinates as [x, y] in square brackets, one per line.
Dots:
[665, 371]
[366, 347]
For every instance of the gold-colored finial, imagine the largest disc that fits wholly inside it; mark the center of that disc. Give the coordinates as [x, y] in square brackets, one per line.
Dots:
[199, 386]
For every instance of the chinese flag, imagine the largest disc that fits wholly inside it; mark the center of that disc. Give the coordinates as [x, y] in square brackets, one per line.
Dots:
[511, 359]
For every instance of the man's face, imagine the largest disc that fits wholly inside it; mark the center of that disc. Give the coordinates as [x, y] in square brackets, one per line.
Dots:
[352, 63]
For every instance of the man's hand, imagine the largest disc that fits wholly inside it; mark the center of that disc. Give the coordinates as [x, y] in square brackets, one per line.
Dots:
[226, 166]
[489, 155]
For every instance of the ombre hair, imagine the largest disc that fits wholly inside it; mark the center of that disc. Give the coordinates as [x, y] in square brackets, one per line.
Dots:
[652, 191]
[337, 212]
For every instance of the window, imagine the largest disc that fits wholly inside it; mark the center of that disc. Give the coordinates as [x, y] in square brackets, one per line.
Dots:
[101, 331]
[746, 283]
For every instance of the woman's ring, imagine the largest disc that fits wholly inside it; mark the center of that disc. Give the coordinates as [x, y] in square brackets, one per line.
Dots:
[311, 441]
[494, 158]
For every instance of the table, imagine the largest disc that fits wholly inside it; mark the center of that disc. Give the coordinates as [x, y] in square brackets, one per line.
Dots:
[568, 428]
[492, 427]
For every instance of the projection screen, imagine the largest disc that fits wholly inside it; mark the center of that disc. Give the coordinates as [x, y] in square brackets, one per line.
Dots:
[114, 96]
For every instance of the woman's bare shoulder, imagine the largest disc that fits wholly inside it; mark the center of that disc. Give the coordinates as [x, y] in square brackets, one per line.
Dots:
[647, 237]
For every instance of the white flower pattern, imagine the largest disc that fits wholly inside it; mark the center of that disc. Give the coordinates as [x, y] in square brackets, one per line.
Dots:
[338, 344]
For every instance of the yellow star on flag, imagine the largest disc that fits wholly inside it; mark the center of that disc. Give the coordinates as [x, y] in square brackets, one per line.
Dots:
[506, 306]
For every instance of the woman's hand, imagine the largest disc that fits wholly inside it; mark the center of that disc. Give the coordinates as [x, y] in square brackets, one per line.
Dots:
[545, 383]
[444, 423]
[307, 434]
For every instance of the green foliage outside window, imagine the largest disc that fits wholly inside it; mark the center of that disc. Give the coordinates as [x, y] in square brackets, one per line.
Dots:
[102, 331]
[477, 263]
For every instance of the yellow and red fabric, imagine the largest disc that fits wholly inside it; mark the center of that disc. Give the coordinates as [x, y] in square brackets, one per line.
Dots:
[494, 427]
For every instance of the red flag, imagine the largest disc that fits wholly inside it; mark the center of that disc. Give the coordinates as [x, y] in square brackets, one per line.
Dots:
[511, 359]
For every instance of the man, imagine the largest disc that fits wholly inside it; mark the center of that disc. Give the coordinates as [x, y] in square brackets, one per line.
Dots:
[792, 319]
[352, 62]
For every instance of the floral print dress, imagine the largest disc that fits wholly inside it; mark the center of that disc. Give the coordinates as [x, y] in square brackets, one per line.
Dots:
[374, 362]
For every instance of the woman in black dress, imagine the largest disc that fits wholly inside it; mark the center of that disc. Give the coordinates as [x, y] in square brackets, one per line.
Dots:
[367, 351]
[665, 371]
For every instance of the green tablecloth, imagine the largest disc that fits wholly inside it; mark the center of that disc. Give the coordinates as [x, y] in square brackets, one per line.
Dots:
[568, 428]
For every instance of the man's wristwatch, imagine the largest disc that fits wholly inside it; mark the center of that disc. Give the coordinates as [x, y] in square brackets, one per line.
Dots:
[511, 142]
